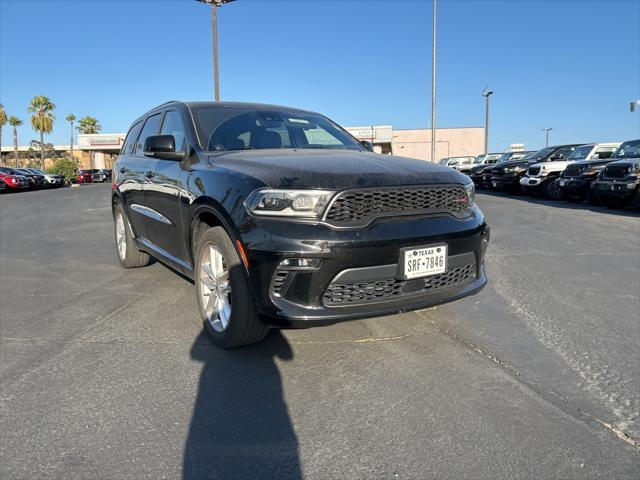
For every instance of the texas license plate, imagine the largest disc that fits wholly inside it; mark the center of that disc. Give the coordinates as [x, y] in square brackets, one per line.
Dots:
[423, 262]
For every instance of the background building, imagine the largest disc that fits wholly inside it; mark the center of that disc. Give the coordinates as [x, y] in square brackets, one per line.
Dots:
[416, 143]
[101, 150]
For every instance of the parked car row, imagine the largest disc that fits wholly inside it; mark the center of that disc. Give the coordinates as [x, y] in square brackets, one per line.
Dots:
[16, 179]
[602, 173]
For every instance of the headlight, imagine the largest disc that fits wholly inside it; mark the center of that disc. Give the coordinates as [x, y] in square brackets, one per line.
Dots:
[289, 203]
[471, 192]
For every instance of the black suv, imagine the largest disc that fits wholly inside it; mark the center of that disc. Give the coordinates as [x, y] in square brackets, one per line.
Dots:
[507, 175]
[618, 184]
[282, 218]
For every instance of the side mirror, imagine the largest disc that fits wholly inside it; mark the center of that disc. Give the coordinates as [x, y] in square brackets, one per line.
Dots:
[367, 145]
[162, 147]
[556, 156]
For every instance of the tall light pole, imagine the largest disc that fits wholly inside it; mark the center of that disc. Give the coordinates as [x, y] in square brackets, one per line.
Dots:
[486, 93]
[546, 131]
[214, 27]
[433, 88]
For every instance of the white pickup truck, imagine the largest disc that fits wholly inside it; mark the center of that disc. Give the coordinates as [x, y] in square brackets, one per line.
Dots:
[541, 178]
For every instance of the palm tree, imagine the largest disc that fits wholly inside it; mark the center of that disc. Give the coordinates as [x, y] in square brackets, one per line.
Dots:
[3, 121]
[15, 122]
[70, 118]
[89, 125]
[42, 119]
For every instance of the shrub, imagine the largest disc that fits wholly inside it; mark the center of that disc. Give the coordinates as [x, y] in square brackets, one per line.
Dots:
[65, 167]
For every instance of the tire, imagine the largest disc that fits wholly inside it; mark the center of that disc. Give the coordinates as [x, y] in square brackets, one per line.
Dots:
[128, 254]
[220, 275]
[551, 189]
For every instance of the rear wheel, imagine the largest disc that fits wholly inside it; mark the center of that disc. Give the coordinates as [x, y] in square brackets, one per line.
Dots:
[222, 289]
[128, 254]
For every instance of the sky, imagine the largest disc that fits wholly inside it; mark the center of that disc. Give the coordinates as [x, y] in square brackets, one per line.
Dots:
[570, 65]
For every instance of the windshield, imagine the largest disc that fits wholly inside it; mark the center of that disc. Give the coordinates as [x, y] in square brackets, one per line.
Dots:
[35, 170]
[540, 154]
[628, 150]
[479, 159]
[580, 153]
[239, 128]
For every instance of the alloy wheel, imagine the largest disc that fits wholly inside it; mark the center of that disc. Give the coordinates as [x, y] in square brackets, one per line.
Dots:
[121, 236]
[215, 288]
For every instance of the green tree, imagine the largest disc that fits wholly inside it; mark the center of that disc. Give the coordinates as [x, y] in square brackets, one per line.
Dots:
[3, 122]
[71, 118]
[42, 119]
[65, 167]
[15, 122]
[89, 125]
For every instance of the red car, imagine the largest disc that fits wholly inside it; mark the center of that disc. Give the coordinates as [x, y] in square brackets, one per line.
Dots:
[84, 176]
[13, 180]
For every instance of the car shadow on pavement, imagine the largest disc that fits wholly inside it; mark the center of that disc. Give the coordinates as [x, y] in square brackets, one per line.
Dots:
[629, 211]
[240, 426]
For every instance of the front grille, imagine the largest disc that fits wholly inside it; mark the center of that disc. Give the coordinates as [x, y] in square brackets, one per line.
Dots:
[616, 171]
[574, 170]
[533, 171]
[338, 294]
[356, 207]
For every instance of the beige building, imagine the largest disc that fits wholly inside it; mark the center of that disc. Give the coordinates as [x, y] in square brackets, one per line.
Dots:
[416, 143]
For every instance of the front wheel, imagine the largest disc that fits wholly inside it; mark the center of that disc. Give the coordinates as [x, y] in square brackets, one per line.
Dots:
[222, 289]
[552, 190]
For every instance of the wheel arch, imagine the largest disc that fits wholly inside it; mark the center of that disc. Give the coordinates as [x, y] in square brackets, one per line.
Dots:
[207, 213]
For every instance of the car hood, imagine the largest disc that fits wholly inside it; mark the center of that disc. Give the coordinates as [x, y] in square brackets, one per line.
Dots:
[333, 169]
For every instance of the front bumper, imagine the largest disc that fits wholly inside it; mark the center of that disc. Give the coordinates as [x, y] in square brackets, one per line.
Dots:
[622, 188]
[573, 185]
[505, 182]
[360, 266]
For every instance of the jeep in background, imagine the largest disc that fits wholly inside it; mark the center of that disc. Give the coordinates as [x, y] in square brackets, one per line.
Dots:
[541, 177]
[617, 185]
[574, 184]
[480, 173]
[506, 176]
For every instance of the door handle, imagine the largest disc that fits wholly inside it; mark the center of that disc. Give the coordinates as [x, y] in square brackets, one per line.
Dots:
[124, 170]
[149, 174]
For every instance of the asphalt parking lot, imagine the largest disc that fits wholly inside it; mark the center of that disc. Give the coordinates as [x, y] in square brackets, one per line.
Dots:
[105, 373]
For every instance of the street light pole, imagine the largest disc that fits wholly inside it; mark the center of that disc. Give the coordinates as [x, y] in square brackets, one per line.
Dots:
[433, 88]
[214, 28]
[546, 131]
[486, 93]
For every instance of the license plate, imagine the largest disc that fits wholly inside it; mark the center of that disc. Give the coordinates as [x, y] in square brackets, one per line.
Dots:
[423, 262]
[494, 184]
[562, 183]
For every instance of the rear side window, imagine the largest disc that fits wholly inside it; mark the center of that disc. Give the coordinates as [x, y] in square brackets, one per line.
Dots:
[151, 127]
[129, 142]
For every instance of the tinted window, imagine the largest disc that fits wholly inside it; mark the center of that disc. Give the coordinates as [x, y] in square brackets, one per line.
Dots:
[565, 152]
[579, 153]
[150, 128]
[127, 148]
[173, 125]
[242, 128]
[628, 150]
